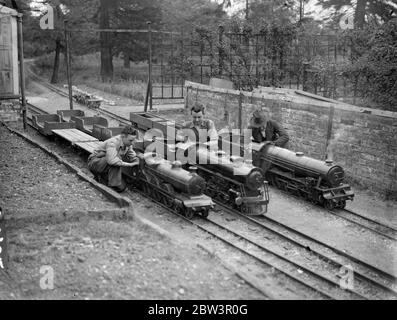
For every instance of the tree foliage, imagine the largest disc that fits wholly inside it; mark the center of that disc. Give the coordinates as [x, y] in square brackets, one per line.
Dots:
[365, 11]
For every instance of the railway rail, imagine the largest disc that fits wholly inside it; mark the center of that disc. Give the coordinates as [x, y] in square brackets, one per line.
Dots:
[367, 223]
[346, 214]
[279, 232]
[266, 258]
[322, 283]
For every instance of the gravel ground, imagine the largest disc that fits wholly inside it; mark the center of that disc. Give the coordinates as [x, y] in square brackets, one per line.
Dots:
[92, 258]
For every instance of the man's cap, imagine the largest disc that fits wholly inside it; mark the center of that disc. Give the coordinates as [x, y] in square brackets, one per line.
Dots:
[258, 119]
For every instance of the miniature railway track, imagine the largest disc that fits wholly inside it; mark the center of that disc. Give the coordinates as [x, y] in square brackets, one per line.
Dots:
[367, 223]
[348, 215]
[311, 279]
[358, 219]
[363, 272]
[65, 94]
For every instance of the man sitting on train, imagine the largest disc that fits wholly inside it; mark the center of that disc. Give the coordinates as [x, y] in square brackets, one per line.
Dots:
[264, 129]
[204, 129]
[107, 161]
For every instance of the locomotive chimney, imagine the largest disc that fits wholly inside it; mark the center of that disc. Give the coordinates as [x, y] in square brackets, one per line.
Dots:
[193, 170]
[328, 162]
[299, 154]
[176, 165]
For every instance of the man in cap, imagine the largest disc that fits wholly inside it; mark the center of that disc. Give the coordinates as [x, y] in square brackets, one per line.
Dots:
[107, 161]
[198, 124]
[264, 129]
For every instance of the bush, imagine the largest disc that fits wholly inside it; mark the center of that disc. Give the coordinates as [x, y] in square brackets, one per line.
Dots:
[374, 63]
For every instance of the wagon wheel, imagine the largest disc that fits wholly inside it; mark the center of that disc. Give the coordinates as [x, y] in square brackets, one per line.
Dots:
[204, 213]
[342, 204]
[329, 204]
[189, 213]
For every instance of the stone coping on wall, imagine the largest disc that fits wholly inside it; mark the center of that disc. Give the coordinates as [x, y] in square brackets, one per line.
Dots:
[291, 95]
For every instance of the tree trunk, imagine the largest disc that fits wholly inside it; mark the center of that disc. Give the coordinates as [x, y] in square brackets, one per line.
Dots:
[359, 15]
[58, 46]
[126, 61]
[106, 46]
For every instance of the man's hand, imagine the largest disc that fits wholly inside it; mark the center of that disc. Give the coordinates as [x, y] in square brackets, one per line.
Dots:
[134, 163]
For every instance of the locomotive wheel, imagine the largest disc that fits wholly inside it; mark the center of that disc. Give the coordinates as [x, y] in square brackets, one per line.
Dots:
[342, 204]
[204, 213]
[168, 202]
[157, 196]
[189, 213]
[329, 204]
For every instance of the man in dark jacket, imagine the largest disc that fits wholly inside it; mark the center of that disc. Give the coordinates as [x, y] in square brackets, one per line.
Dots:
[110, 156]
[264, 129]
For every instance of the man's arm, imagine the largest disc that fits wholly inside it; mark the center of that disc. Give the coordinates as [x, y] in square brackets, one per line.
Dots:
[283, 137]
[112, 157]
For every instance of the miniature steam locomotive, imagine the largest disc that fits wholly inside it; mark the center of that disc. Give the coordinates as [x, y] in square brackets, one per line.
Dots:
[229, 180]
[314, 180]
[167, 182]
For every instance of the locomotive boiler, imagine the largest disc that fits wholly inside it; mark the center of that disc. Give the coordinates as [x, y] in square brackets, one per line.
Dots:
[230, 180]
[168, 183]
[319, 181]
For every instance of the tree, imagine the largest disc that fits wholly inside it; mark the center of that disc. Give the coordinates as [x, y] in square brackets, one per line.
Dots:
[364, 10]
[135, 15]
[105, 41]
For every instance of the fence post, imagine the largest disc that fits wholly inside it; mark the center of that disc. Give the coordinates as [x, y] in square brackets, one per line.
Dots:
[304, 78]
[220, 49]
[21, 70]
[68, 71]
[149, 93]
[240, 111]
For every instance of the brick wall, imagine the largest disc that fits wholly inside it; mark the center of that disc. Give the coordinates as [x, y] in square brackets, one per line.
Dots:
[362, 140]
[10, 111]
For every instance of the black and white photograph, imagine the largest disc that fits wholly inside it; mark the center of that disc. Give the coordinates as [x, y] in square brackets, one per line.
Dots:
[212, 152]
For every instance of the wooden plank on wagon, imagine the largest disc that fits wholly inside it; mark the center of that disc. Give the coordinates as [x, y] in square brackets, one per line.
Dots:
[74, 135]
[88, 146]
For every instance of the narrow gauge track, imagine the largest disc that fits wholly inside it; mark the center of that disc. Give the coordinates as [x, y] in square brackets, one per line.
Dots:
[65, 94]
[386, 283]
[265, 257]
[367, 223]
[358, 219]
[336, 258]
[348, 215]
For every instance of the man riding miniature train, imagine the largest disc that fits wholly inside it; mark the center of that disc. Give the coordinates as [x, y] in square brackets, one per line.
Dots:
[200, 125]
[264, 129]
[107, 160]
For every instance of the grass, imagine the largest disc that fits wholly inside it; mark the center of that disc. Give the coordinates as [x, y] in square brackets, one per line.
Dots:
[130, 83]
